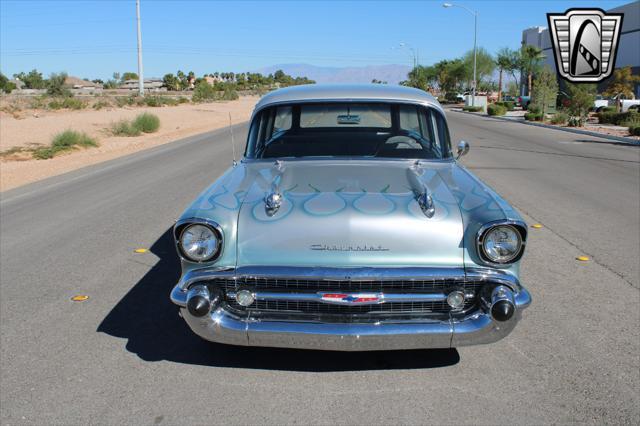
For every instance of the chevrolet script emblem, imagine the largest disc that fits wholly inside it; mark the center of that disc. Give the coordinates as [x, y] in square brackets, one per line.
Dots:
[585, 42]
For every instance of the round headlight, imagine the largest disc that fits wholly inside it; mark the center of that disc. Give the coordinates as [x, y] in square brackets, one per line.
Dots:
[502, 244]
[199, 243]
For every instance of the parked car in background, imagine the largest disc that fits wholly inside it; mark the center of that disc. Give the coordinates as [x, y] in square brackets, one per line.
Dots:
[350, 225]
[600, 103]
[462, 96]
[635, 108]
[626, 104]
[523, 101]
[618, 102]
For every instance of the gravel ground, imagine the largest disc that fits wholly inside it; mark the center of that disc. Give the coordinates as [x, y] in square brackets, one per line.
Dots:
[40, 127]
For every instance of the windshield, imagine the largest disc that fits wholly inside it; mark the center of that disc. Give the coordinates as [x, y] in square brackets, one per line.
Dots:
[337, 129]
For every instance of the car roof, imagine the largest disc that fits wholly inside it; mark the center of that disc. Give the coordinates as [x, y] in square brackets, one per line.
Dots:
[347, 92]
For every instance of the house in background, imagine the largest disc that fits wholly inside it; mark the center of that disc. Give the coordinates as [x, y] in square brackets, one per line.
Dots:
[150, 85]
[81, 85]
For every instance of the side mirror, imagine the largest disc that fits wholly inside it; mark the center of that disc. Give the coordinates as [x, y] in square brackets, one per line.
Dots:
[463, 149]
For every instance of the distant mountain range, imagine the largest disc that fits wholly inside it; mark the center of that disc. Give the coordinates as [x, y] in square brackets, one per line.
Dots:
[392, 74]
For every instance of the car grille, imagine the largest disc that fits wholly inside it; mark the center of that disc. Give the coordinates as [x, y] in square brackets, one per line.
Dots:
[320, 310]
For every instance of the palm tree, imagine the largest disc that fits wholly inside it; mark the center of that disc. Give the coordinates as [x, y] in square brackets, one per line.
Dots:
[531, 58]
[506, 59]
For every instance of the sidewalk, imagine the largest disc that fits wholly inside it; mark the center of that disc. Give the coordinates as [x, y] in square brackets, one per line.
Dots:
[606, 131]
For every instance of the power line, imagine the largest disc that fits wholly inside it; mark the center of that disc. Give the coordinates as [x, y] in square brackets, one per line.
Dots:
[73, 23]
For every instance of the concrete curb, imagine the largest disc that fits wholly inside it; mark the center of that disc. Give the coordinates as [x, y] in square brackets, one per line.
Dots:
[619, 139]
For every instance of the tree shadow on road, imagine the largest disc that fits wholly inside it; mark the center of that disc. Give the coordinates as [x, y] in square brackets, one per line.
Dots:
[149, 321]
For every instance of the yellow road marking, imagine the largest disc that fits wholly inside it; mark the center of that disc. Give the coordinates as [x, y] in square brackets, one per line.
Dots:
[141, 250]
[536, 225]
[583, 258]
[80, 298]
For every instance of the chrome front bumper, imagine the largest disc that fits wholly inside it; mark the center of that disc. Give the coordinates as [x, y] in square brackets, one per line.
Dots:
[225, 327]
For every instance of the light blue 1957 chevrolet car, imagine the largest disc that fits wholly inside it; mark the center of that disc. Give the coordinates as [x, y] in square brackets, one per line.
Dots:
[350, 225]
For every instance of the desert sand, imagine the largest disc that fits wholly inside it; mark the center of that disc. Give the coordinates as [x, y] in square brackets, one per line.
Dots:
[39, 127]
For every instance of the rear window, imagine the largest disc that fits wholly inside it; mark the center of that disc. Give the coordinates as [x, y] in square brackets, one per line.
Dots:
[351, 115]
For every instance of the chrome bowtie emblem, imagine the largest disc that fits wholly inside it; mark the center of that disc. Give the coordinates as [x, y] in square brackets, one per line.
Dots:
[585, 42]
[352, 298]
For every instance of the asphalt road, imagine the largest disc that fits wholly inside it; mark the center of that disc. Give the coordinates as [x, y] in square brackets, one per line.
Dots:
[124, 355]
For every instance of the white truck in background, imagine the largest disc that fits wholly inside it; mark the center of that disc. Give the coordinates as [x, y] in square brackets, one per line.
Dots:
[602, 102]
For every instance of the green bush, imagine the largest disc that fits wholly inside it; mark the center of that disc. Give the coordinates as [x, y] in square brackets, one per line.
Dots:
[534, 109]
[451, 96]
[9, 87]
[125, 101]
[183, 100]
[617, 118]
[147, 123]
[55, 85]
[124, 128]
[609, 109]
[204, 92]
[533, 116]
[101, 104]
[143, 123]
[634, 130]
[158, 101]
[229, 94]
[509, 105]
[494, 109]
[67, 103]
[575, 122]
[559, 118]
[472, 108]
[64, 141]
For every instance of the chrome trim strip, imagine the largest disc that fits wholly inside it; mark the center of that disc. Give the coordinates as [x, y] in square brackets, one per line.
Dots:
[428, 103]
[320, 297]
[353, 274]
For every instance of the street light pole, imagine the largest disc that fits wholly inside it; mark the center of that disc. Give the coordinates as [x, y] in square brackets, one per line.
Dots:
[475, 55]
[475, 45]
[414, 55]
[140, 76]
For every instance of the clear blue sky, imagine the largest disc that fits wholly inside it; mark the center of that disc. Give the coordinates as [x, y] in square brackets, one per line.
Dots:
[95, 38]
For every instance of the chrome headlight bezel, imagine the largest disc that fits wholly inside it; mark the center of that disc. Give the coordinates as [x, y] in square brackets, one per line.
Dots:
[179, 230]
[518, 226]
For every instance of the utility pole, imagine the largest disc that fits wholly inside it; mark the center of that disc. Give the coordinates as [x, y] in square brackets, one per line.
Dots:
[140, 76]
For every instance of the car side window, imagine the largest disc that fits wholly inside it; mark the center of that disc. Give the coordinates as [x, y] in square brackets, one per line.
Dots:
[443, 135]
[435, 146]
[426, 123]
[282, 120]
[266, 125]
[409, 118]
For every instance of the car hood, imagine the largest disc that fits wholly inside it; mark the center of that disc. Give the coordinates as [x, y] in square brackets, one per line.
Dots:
[349, 213]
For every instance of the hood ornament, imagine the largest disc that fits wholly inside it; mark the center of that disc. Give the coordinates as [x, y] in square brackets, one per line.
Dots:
[421, 191]
[272, 203]
[425, 200]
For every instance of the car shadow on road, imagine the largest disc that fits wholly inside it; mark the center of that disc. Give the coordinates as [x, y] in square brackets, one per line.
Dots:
[149, 321]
